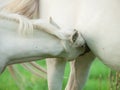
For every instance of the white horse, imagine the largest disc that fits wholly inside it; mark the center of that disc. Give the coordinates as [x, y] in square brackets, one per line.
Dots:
[24, 40]
[98, 21]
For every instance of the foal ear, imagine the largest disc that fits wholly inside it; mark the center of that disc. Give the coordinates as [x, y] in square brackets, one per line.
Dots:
[77, 39]
[53, 23]
[74, 36]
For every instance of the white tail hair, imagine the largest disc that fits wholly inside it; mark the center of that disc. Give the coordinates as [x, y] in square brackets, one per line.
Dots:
[28, 8]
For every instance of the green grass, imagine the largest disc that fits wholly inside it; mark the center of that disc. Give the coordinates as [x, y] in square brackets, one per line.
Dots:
[98, 79]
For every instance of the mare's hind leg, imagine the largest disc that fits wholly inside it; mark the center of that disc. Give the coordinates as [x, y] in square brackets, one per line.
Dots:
[79, 72]
[55, 72]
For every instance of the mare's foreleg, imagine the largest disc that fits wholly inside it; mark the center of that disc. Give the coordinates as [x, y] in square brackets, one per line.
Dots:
[79, 72]
[55, 72]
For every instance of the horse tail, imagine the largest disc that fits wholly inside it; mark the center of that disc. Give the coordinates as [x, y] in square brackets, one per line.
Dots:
[28, 8]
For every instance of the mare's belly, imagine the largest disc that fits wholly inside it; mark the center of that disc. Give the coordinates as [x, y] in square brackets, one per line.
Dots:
[103, 38]
[106, 46]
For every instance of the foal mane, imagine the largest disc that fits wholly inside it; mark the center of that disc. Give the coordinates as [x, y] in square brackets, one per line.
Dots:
[27, 26]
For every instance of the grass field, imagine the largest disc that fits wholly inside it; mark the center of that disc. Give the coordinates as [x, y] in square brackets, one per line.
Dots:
[98, 79]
